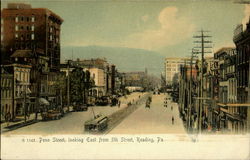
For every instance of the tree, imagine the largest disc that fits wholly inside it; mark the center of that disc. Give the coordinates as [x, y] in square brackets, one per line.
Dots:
[77, 85]
[61, 88]
[175, 81]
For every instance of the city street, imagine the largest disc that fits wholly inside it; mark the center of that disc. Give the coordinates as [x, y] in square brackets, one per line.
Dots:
[73, 122]
[156, 120]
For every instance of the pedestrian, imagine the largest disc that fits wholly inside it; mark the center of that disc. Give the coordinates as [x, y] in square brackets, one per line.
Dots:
[166, 104]
[119, 103]
[7, 118]
[172, 120]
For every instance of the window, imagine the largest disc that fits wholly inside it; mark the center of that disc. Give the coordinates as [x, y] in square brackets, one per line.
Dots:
[16, 27]
[32, 28]
[28, 19]
[16, 36]
[21, 28]
[22, 18]
[16, 19]
[27, 46]
[28, 36]
[22, 37]
[27, 28]
[21, 76]
[33, 18]
[32, 36]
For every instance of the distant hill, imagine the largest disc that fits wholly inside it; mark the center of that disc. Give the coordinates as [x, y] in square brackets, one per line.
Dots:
[126, 59]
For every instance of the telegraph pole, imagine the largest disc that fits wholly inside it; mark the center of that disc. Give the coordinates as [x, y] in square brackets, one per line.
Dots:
[25, 109]
[68, 99]
[202, 42]
[190, 89]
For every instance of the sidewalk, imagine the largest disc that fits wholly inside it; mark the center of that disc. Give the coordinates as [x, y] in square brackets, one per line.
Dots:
[20, 122]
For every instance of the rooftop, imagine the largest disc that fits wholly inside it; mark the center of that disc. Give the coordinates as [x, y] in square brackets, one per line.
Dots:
[23, 6]
[22, 53]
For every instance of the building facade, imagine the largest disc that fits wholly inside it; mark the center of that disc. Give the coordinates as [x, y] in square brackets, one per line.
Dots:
[16, 92]
[31, 36]
[7, 81]
[35, 29]
[242, 41]
[172, 67]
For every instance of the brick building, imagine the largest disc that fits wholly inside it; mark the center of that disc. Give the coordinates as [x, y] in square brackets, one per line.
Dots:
[33, 29]
[31, 36]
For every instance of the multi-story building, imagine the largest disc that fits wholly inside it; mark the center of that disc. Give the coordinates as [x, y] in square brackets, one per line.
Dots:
[32, 35]
[135, 79]
[6, 93]
[98, 75]
[242, 41]
[228, 115]
[33, 29]
[101, 72]
[17, 99]
[172, 67]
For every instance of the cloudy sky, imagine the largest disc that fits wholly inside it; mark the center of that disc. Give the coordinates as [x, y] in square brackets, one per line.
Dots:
[166, 27]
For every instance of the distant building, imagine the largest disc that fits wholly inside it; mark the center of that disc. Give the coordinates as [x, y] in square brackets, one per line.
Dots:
[135, 79]
[98, 75]
[172, 67]
[101, 72]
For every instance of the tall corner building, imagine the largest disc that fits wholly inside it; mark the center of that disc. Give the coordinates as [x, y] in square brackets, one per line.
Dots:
[172, 67]
[27, 28]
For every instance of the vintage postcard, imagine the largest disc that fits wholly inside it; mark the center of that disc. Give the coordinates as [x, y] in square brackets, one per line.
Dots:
[125, 79]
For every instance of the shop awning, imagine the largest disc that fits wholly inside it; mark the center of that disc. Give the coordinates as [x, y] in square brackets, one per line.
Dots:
[224, 110]
[234, 117]
[43, 101]
[234, 104]
[238, 105]
[221, 104]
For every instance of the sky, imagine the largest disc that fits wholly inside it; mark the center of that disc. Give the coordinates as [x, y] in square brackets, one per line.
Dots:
[166, 27]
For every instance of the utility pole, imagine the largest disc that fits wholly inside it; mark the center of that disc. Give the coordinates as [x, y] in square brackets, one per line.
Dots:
[68, 99]
[202, 42]
[25, 110]
[189, 125]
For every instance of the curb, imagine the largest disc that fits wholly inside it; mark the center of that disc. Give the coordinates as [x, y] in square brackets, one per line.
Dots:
[18, 125]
